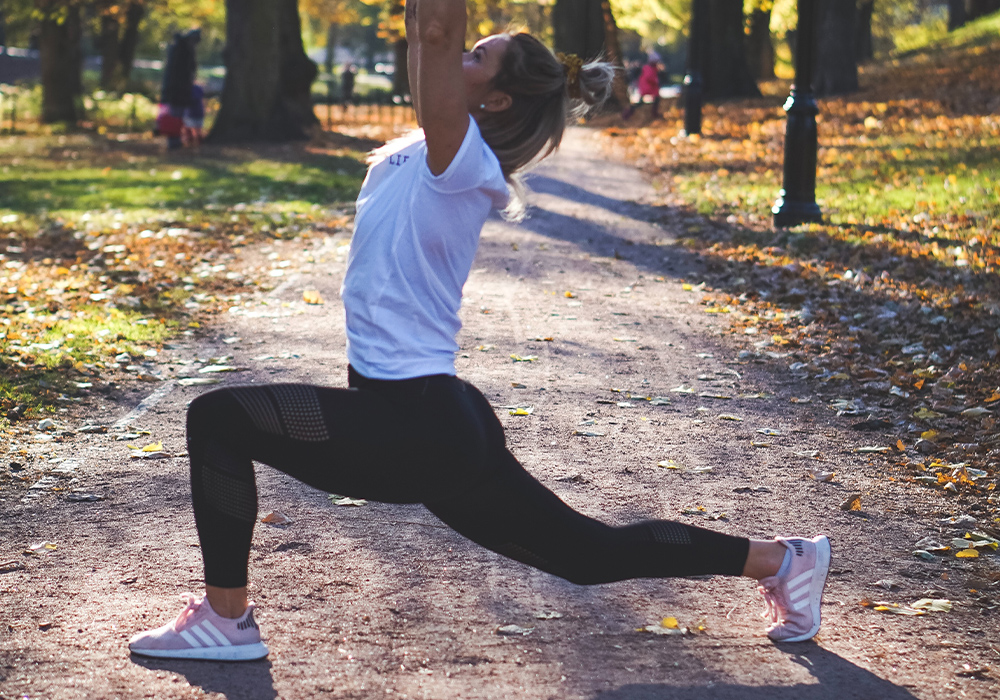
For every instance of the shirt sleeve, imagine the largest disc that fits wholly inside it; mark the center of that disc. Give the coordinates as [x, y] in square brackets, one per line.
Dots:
[473, 167]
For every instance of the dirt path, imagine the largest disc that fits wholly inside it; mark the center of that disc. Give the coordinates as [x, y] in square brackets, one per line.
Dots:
[381, 601]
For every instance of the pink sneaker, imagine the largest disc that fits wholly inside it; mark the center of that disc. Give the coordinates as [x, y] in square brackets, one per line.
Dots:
[793, 599]
[201, 633]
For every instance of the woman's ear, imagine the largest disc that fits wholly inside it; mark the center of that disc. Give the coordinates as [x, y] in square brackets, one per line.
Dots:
[496, 101]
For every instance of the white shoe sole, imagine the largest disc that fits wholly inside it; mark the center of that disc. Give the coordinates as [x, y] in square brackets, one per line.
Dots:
[816, 587]
[241, 652]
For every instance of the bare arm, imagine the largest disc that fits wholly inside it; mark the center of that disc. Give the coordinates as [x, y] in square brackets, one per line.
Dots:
[412, 58]
[436, 37]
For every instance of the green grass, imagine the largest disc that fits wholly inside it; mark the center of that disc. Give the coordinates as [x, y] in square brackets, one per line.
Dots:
[64, 184]
[107, 239]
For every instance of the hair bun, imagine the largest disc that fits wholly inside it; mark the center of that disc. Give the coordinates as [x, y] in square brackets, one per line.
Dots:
[571, 64]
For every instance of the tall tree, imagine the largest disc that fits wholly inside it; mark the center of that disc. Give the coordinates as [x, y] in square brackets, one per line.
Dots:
[118, 37]
[981, 8]
[760, 48]
[61, 56]
[836, 58]
[578, 26]
[726, 72]
[863, 45]
[957, 14]
[266, 96]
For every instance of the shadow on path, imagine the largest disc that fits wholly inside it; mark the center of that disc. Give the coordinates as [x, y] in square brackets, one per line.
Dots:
[237, 680]
[835, 678]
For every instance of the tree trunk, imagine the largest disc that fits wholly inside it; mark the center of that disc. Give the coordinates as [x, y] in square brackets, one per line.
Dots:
[836, 60]
[864, 50]
[957, 16]
[266, 96]
[331, 46]
[129, 41]
[401, 78]
[613, 54]
[760, 49]
[726, 71]
[578, 27]
[110, 55]
[61, 63]
[981, 8]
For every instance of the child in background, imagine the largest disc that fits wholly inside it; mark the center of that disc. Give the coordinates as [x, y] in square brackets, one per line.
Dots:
[194, 117]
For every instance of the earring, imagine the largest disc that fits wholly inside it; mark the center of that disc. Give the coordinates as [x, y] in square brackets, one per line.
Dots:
[482, 106]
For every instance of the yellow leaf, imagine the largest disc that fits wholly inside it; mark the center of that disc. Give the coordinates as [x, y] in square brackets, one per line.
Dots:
[687, 287]
[929, 434]
[569, 295]
[900, 446]
[970, 553]
[312, 296]
[153, 447]
[670, 623]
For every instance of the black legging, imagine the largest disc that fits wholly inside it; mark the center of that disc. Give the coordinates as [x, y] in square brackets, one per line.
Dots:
[432, 440]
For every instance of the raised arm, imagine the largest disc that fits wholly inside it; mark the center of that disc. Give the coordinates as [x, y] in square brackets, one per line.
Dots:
[435, 32]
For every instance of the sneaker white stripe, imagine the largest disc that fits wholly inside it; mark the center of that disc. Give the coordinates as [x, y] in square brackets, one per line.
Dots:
[795, 595]
[209, 642]
[189, 638]
[214, 631]
[801, 578]
[801, 604]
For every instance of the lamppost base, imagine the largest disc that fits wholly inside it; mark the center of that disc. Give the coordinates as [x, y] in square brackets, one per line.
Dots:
[789, 212]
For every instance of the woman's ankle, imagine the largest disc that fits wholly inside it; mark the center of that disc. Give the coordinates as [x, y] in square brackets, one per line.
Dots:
[764, 558]
[227, 602]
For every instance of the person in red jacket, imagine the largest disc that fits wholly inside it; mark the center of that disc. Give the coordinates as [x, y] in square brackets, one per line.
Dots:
[649, 83]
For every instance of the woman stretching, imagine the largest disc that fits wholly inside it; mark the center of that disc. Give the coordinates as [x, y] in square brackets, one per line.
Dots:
[485, 114]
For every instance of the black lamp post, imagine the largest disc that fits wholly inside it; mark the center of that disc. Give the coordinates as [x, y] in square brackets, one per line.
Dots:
[694, 86]
[797, 200]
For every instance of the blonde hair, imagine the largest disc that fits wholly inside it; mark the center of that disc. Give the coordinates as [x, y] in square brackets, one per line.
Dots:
[543, 101]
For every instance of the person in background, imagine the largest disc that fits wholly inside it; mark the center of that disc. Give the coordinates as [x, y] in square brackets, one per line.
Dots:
[347, 83]
[194, 117]
[649, 82]
[178, 79]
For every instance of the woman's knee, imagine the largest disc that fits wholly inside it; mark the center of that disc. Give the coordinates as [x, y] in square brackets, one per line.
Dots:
[207, 413]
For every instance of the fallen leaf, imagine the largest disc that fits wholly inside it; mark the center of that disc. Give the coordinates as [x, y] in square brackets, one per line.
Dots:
[525, 358]
[871, 449]
[547, 615]
[820, 475]
[970, 553]
[522, 411]
[588, 433]
[312, 296]
[769, 432]
[198, 381]
[153, 447]
[730, 416]
[852, 502]
[669, 464]
[346, 500]
[514, 630]
[41, 548]
[933, 605]
[276, 518]
[666, 626]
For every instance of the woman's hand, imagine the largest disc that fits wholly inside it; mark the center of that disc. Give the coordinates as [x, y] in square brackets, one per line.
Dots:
[435, 31]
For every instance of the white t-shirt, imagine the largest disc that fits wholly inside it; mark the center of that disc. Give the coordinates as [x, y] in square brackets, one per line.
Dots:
[415, 236]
